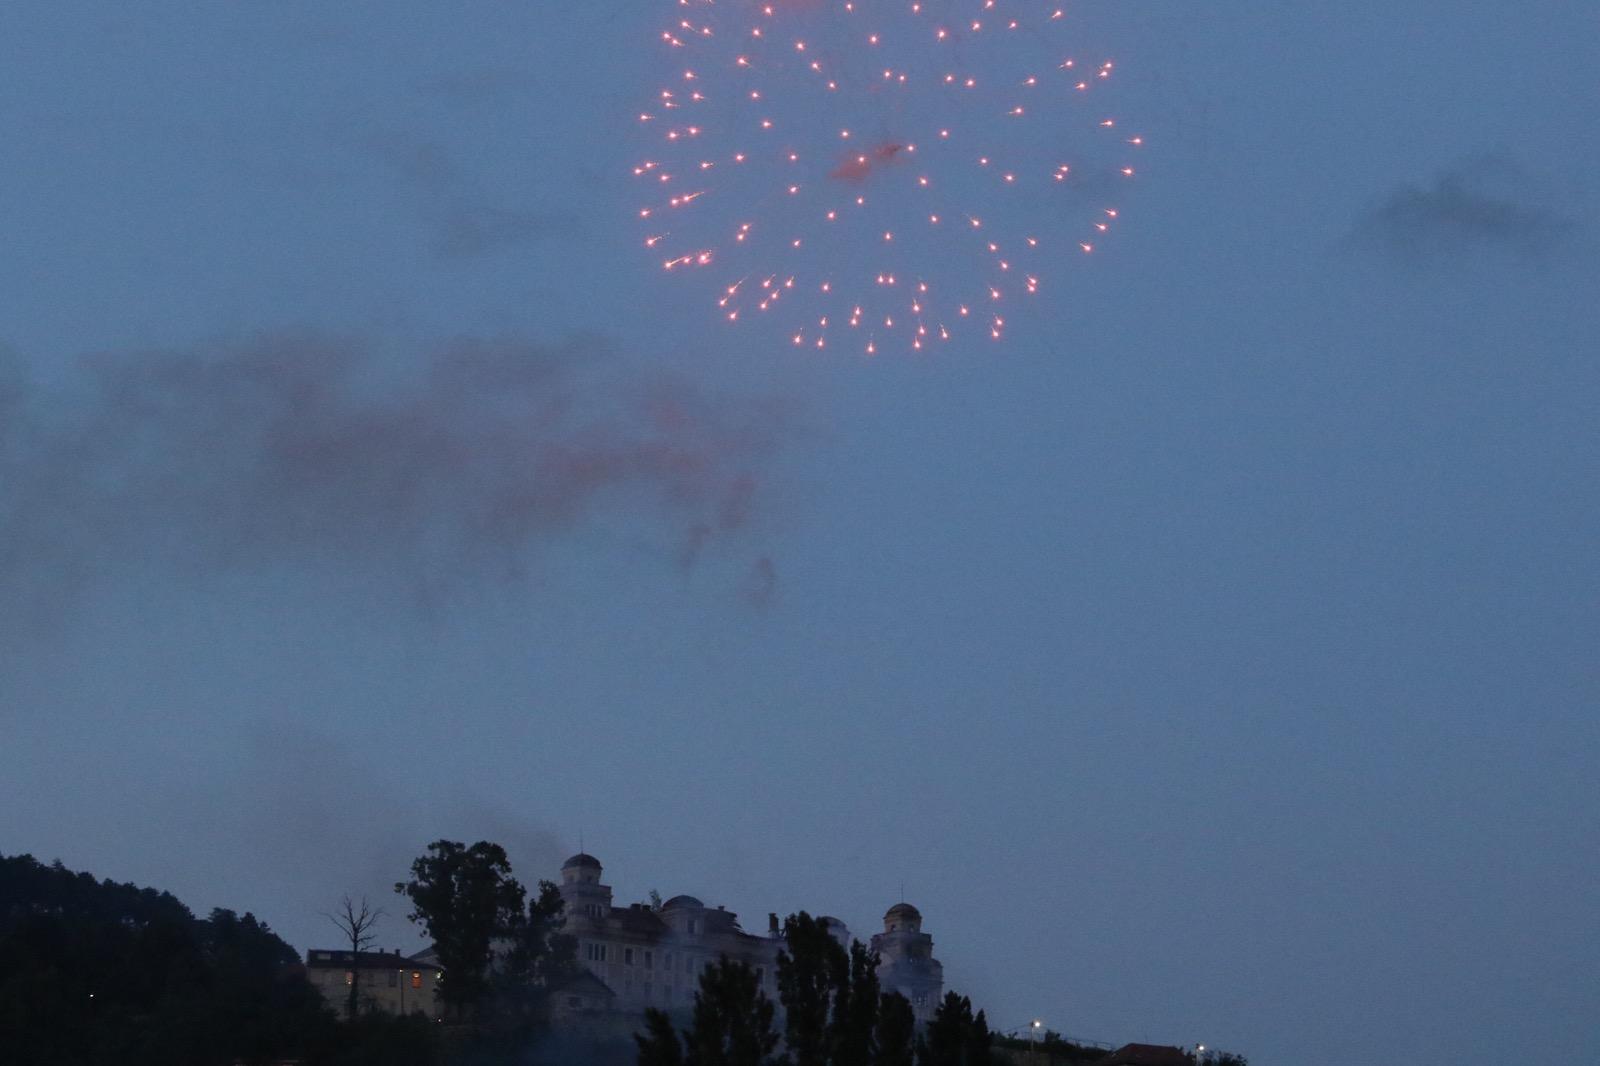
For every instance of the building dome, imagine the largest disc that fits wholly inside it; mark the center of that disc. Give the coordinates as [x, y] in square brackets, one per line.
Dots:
[902, 918]
[581, 860]
[682, 901]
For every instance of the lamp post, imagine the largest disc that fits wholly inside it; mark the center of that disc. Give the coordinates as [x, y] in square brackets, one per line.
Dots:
[1033, 1033]
[1199, 1054]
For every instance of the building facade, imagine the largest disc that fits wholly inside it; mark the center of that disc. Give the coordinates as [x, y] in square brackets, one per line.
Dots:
[647, 957]
[393, 984]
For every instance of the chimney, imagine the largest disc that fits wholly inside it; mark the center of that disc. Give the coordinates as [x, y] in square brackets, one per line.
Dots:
[772, 923]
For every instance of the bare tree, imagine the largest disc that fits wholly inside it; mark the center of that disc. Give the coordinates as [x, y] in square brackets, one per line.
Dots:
[356, 922]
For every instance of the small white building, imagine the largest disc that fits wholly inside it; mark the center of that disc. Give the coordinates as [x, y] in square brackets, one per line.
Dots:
[391, 983]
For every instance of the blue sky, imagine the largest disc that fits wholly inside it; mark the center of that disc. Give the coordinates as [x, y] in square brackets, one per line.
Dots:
[1211, 661]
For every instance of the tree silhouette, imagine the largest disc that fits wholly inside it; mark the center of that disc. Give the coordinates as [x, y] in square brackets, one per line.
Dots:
[356, 922]
[812, 968]
[731, 1026]
[659, 1044]
[103, 972]
[466, 899]
[955, 1037]
[855, 1010]
[896, 1032]
[540, 958]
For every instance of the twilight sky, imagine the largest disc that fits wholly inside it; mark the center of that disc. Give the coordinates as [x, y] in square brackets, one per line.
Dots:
[1215, 660]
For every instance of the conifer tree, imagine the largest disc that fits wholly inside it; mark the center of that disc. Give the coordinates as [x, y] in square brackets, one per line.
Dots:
[955, 1037]
[658, 1044]
[732, 1025]
[896, 1037]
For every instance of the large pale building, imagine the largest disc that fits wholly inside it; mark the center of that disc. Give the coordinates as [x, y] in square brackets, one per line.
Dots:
[644, 957]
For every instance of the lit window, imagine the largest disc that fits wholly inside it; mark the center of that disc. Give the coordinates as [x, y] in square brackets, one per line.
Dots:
[349, 977]
[416, 978]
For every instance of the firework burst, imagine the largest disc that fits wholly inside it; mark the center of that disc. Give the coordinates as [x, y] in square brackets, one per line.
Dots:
[878, 172]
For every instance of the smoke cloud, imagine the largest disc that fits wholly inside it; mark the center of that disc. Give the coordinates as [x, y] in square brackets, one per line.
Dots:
[301, 449]
[1485, 205]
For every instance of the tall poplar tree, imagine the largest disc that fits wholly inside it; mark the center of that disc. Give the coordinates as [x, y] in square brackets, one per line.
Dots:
[897, 1031]
[812, 968]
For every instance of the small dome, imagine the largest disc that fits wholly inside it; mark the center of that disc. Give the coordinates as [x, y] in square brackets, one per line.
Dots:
[903, 910]
[682, 901]
[580, 860]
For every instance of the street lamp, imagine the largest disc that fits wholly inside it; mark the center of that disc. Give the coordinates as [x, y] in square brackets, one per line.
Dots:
[1033, 1032]
[1199, 1054]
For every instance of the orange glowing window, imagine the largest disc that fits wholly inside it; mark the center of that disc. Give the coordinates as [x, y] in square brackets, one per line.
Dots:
[416, 978]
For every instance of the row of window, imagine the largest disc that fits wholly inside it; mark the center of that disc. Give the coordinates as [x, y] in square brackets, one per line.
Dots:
[646, 957]
[394, 978]
[594, 951]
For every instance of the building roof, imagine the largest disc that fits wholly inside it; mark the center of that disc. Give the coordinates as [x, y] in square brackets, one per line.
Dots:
[903, 910]
[334, 959]
[582, 859]
[682, 901]
[637, 918]
[1146, 1055]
